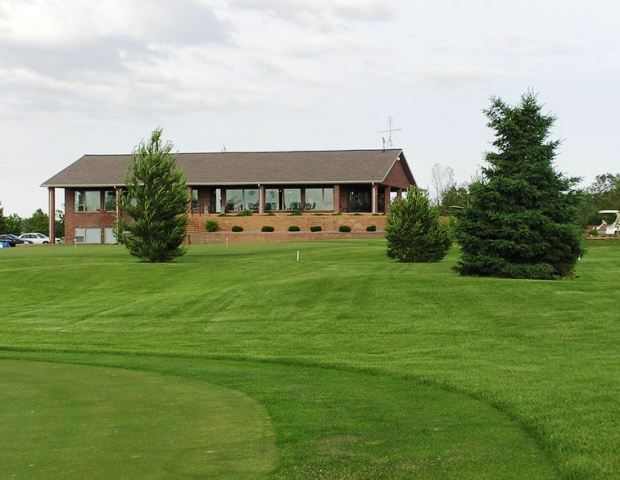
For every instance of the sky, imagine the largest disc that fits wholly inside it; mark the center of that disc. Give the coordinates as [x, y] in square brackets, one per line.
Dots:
[82, 77]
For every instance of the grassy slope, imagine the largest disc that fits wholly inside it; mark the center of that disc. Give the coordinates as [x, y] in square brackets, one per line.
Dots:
[544, 352]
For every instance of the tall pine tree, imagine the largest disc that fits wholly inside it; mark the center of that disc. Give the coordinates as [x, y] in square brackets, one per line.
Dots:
[519, 222]
[156, 200]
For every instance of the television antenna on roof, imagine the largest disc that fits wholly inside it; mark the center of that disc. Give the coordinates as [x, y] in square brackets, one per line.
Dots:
[389, 143]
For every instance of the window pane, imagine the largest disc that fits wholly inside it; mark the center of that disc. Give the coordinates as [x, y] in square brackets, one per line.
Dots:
[292, 199]
[319, 199]
[109, 200]
[272, 199]
[109, 237]
[79, 235]
[93, 235]
[234, 199]
[250, 199]
[79, 201]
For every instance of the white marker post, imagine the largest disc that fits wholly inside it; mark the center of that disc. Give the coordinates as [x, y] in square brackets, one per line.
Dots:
[226, 243]
[297, 256]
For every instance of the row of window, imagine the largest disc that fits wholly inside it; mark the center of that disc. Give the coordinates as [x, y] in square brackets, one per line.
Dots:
[90, 201]
[93, 235]
[236, 199]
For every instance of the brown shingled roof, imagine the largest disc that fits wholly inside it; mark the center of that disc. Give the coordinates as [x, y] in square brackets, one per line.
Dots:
[338, 166]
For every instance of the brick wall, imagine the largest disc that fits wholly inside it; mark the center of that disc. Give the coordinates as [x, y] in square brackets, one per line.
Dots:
[281, 222]
[75, 219]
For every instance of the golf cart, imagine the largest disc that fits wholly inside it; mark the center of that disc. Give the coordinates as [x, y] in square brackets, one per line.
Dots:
[610, 228]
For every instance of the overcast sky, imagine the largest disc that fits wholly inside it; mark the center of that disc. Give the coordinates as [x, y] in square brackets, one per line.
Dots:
[95, 77]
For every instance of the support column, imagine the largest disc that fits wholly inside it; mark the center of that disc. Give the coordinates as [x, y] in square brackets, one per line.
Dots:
[374, 198]
[223, 200]
[118, 192]
[387, 199]
[261, 199]
[52, 214]
[302, 198]
[399, 194]
[189, 204]
[336, 198]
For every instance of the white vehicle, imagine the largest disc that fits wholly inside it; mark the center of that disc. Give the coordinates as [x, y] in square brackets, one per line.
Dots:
[37, 238]
[611, 228]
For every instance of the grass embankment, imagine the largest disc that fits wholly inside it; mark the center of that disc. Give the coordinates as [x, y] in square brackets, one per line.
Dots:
[521, 364]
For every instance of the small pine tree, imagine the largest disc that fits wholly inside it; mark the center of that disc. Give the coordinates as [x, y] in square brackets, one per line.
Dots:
[413, 231]
[156, 200]
[39, 222]
[519, 220]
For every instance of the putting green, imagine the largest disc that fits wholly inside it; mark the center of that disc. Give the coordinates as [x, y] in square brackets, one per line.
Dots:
[66, 422]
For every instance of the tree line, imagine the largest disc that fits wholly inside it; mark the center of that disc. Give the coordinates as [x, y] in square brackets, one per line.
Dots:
[603, 194]
[38, 222]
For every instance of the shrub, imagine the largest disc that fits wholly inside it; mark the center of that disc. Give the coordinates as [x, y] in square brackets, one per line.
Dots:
[237, 228]
[271, 214]
[371, 228]
[295, 213]
[212, 225]
[244, 213]
[294, 228]
[413, 231]
[356, 214]
[344, 228]
[593, 233]
[267, 228]
[316, 228]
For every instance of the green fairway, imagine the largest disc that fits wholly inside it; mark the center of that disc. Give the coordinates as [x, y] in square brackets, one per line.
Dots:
[72, 422]
[367, 368]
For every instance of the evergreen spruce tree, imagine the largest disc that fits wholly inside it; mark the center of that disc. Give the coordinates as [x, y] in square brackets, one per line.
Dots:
[156, 200]
[519, 221]
[413, 231]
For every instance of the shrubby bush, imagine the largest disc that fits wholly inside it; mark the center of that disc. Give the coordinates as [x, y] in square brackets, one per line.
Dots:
[413, 231]
[237, 228]
[212, 225]
[344, 228]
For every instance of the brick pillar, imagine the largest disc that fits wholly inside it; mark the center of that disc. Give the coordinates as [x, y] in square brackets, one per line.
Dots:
[189, 204]
[302, 199]
[52, 214]
[399, 194]
[261, 199]
[336, 198]
[387, 198]
[374, 198]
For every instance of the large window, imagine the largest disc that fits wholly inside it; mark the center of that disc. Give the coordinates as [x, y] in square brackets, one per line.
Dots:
[87, 201]
[359, 200]
[319, 199]
[272, 199]
[242, 199]
[292, 199]
[87, 235]
[109, 200]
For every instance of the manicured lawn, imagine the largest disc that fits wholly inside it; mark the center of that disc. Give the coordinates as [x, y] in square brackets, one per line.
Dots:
[366, 368]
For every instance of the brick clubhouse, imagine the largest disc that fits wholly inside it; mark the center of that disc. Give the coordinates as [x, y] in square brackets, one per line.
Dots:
[349, 183]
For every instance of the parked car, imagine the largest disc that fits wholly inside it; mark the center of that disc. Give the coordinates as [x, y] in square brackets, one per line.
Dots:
[15, 238]
[37, 238]
[7, 239]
